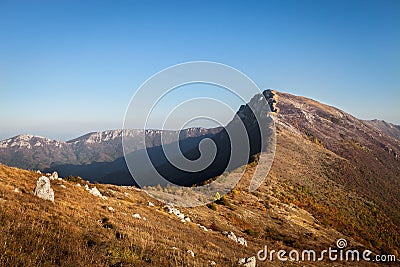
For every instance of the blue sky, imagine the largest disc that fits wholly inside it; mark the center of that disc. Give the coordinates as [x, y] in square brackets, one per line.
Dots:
[69, 67]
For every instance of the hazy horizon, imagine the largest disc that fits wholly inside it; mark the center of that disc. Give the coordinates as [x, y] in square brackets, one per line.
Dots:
[77, 134]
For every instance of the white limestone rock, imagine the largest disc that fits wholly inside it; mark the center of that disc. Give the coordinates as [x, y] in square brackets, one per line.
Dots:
[54, 176]
[43, 189]
[247, 262]
[242, 241]
[190, 252]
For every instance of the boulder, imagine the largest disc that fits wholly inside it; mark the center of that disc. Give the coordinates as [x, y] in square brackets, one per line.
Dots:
[203, 227]
[242, 241]
[190, 252]
[137, 216]
[43, 189]
[95, 192]
[247, 262]
[171, 209]
[168, 208]
[231, 235]
[54, 176]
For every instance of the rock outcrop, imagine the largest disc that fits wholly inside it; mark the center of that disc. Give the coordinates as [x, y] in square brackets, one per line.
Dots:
[233, 237]
[247, 262]
[272, 98]
[95, 192]
[43, 189]
[54, 176]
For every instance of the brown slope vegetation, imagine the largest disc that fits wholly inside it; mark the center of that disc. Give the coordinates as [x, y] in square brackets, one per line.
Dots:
[373, 158]
[354, 156]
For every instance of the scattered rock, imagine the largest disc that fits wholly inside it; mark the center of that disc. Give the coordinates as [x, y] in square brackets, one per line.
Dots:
[233, 237]
[95, 192]
[38, 172]
[43, 189]
[171, 209]
[63, 186]
[87, 187]
[203, 227]
[242, 241]
[54, 176]
[174, 248]
[16, 190]
[230, 235]
[150, 204]
[212, 263]
[190, 252]
[79, 185]
[111, 209]
[247, 262]
[137, 216]
[168, 208]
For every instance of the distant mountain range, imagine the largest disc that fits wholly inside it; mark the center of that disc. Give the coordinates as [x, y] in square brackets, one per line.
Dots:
[40, 153]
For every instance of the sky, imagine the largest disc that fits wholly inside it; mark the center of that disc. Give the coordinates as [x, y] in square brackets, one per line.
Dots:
[71, 67]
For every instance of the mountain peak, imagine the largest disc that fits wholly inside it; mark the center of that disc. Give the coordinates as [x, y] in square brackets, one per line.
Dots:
[28, 141]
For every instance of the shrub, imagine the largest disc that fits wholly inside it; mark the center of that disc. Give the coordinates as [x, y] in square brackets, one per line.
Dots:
[91, 240]
[74, 179]
[235, 192]
[251, 232]
[223, 201]
[212, 206]
[106, 223]
[215, 227]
